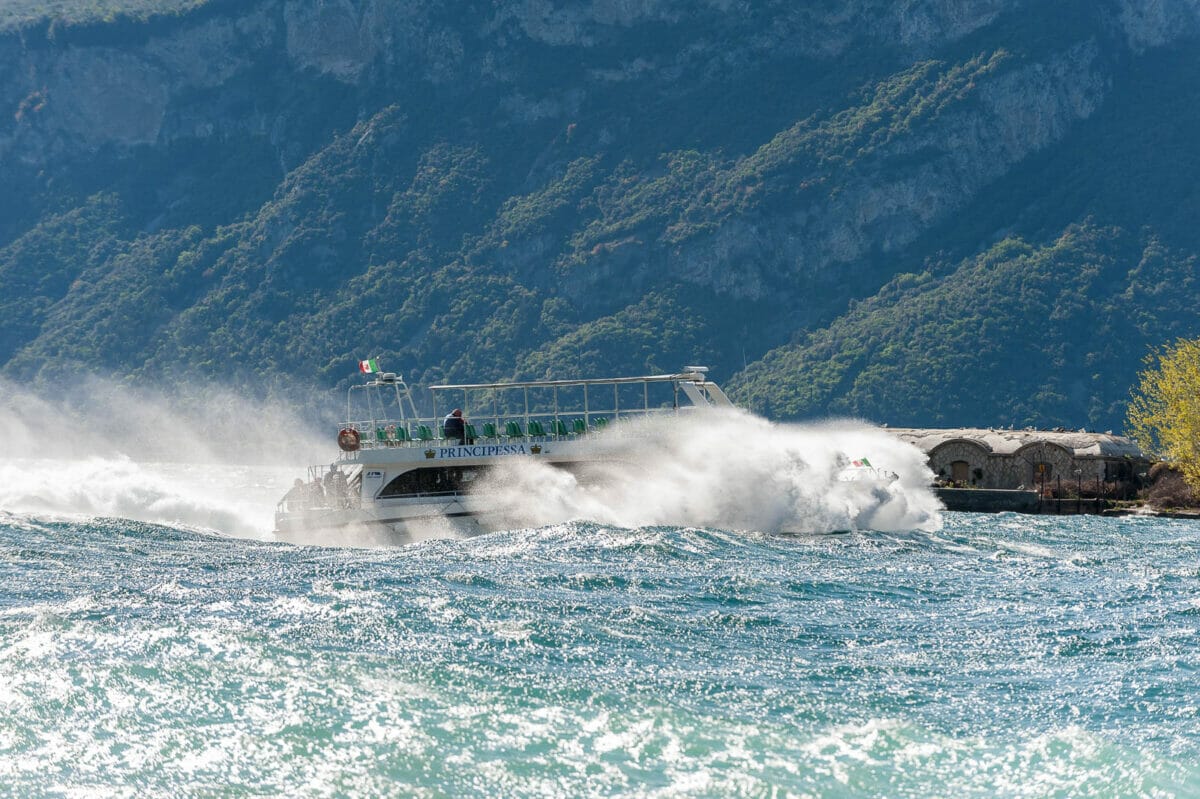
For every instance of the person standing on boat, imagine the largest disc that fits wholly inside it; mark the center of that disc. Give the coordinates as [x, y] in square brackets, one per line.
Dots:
[455, 426]
[335, 487]
[297, 497]
[316, 494]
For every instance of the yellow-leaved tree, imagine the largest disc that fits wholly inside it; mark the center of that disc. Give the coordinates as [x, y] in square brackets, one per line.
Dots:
[1164, 415]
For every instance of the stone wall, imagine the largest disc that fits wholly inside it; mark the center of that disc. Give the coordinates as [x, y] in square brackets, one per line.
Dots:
[1019, 469]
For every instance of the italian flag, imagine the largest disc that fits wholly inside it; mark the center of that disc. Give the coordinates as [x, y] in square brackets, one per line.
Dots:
[368, 366]
[862, 462]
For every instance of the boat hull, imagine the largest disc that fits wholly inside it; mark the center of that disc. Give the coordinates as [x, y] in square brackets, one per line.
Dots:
[394, 524]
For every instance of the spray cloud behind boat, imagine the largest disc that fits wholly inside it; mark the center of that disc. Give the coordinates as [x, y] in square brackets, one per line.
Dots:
[215, 460]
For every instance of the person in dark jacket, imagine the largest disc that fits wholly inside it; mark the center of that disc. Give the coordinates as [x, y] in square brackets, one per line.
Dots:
[296, 497]
[455, 426]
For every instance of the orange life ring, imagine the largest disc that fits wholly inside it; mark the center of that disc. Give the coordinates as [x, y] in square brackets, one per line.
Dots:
[348, 439]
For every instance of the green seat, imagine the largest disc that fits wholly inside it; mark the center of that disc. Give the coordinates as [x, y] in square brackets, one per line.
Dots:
[424, 433]
[513, 429]
[600, 423]
[470, 429]
[535, 428]
[579, 426]
[490, 431]
[381, 435]
[558, 427]
[402, 434]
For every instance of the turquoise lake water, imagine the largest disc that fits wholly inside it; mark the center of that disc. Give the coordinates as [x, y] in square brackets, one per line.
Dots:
[1010, 656]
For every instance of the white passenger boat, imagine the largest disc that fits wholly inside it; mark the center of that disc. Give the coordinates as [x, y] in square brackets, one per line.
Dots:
[399, 478]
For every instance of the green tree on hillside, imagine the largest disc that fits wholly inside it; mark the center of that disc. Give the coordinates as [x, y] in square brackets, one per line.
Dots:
[1164, 415]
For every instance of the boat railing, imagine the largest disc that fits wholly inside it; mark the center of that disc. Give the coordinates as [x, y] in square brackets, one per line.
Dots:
[322, 490]
[538, 410]
[518, 427]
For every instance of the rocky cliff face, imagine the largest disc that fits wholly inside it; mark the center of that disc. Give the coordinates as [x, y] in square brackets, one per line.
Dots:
[909, 184]
[83, 90]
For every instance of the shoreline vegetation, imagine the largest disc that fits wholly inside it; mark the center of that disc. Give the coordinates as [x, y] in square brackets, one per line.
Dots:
[1169, 492]
[1164, 492]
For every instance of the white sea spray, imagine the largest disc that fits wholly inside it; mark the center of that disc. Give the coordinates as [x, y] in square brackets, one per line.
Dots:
[735, 471]
[216, 461]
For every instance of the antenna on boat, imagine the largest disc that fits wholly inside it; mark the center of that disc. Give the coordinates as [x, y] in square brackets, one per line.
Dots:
[403, 392]
[701, 391]
[381, 380]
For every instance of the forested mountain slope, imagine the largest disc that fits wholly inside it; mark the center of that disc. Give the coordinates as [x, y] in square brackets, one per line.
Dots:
[919, 212]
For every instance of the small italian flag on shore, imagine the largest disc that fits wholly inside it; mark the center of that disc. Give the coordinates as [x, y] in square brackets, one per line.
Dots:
[369, 366]
[862, 462]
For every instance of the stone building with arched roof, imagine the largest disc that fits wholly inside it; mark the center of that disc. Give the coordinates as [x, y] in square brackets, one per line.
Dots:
[987, 458]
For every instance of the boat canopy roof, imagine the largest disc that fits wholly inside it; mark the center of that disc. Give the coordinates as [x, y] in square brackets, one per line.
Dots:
[692, 381]
[695, 374]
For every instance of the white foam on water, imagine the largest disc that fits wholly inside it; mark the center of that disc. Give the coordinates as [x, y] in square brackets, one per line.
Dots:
[732, 470]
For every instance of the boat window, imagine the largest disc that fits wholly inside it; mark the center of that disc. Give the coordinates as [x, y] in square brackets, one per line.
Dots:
[433, 480]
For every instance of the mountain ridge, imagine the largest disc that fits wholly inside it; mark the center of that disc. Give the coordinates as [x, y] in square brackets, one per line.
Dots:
[525, 189]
